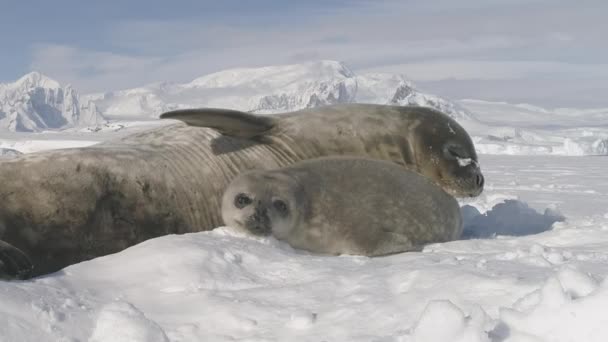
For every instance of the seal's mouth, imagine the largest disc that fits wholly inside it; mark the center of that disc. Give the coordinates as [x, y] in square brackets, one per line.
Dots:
[474, 185]
[259, 230]
[470, 185]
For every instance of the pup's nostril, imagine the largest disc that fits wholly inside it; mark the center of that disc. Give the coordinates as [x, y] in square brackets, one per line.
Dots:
[479, 180]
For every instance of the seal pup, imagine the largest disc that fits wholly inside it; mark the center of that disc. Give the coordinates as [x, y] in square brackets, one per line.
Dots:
[66, 206]
[343, 205]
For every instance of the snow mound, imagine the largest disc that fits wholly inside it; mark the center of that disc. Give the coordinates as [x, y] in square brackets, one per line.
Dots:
[122, 322]
[568, 307]
[35, 103]
[455, 326]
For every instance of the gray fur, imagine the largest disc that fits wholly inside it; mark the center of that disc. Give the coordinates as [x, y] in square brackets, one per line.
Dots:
[343, 205]
[65, 206]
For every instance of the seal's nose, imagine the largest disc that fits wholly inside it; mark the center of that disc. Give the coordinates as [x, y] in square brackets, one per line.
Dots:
[261, 214]
[259, 222]
[479, 180]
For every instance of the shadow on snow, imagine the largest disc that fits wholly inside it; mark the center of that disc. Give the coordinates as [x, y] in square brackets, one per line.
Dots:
[511, 217]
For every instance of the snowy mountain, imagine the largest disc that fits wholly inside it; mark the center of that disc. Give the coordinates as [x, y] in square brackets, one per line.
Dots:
[272, 89]
[35, 103]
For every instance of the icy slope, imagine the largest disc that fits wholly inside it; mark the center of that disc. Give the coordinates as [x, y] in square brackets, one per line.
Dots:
[35, 103]
[224, 286]
[271, 89]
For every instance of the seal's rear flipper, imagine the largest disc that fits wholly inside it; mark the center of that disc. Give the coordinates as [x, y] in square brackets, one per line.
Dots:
[226, 121]
[14, 264]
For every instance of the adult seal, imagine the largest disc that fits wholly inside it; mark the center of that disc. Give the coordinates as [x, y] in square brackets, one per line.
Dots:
[343, 205]
[65, 206]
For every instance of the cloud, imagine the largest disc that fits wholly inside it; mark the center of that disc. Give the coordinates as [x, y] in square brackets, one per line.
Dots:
[86, 69]
[495, 70]
[468, 40]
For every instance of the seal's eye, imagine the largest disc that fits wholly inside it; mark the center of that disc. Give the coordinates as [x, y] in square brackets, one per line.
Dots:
[453, 151]
[242, 200]
[280, 206]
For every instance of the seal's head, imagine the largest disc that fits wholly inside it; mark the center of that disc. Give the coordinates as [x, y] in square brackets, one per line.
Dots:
[262, 203]
[446, 154]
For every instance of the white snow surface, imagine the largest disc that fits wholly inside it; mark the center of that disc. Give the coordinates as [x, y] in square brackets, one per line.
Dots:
[523, 129]
[35, 103]
[532, 267]
[22, 142]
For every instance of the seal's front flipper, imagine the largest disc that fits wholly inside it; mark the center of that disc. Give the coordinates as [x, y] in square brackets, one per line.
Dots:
[393, 243]
[226, 121]
[14, 264]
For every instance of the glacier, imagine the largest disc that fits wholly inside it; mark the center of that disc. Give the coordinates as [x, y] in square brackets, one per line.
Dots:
[35, 103]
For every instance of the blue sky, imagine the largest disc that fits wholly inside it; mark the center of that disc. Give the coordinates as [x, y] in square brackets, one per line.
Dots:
[546, 52]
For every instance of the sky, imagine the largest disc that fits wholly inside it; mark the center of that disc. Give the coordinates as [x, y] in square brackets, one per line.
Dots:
[550, 53]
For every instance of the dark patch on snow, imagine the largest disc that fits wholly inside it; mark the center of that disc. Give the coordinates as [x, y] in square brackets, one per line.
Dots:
[511, 218]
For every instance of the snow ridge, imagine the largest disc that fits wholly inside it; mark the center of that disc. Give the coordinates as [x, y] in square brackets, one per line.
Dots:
[35, 103]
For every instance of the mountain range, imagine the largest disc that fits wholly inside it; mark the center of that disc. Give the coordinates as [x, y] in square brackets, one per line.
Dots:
[36, 102]
[271, 89]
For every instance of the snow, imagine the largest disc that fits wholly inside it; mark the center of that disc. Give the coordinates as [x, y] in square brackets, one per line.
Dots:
[134, 325]
[35, 103]
[532, 268]
[21, 142]
[29, 146]
[532, 264]
[464, 161]
[9, 153]
[35, 79]
[523, 129]
[271, 89]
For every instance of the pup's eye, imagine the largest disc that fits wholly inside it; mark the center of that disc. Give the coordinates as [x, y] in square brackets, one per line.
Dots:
[280, 206]
[242, 200]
